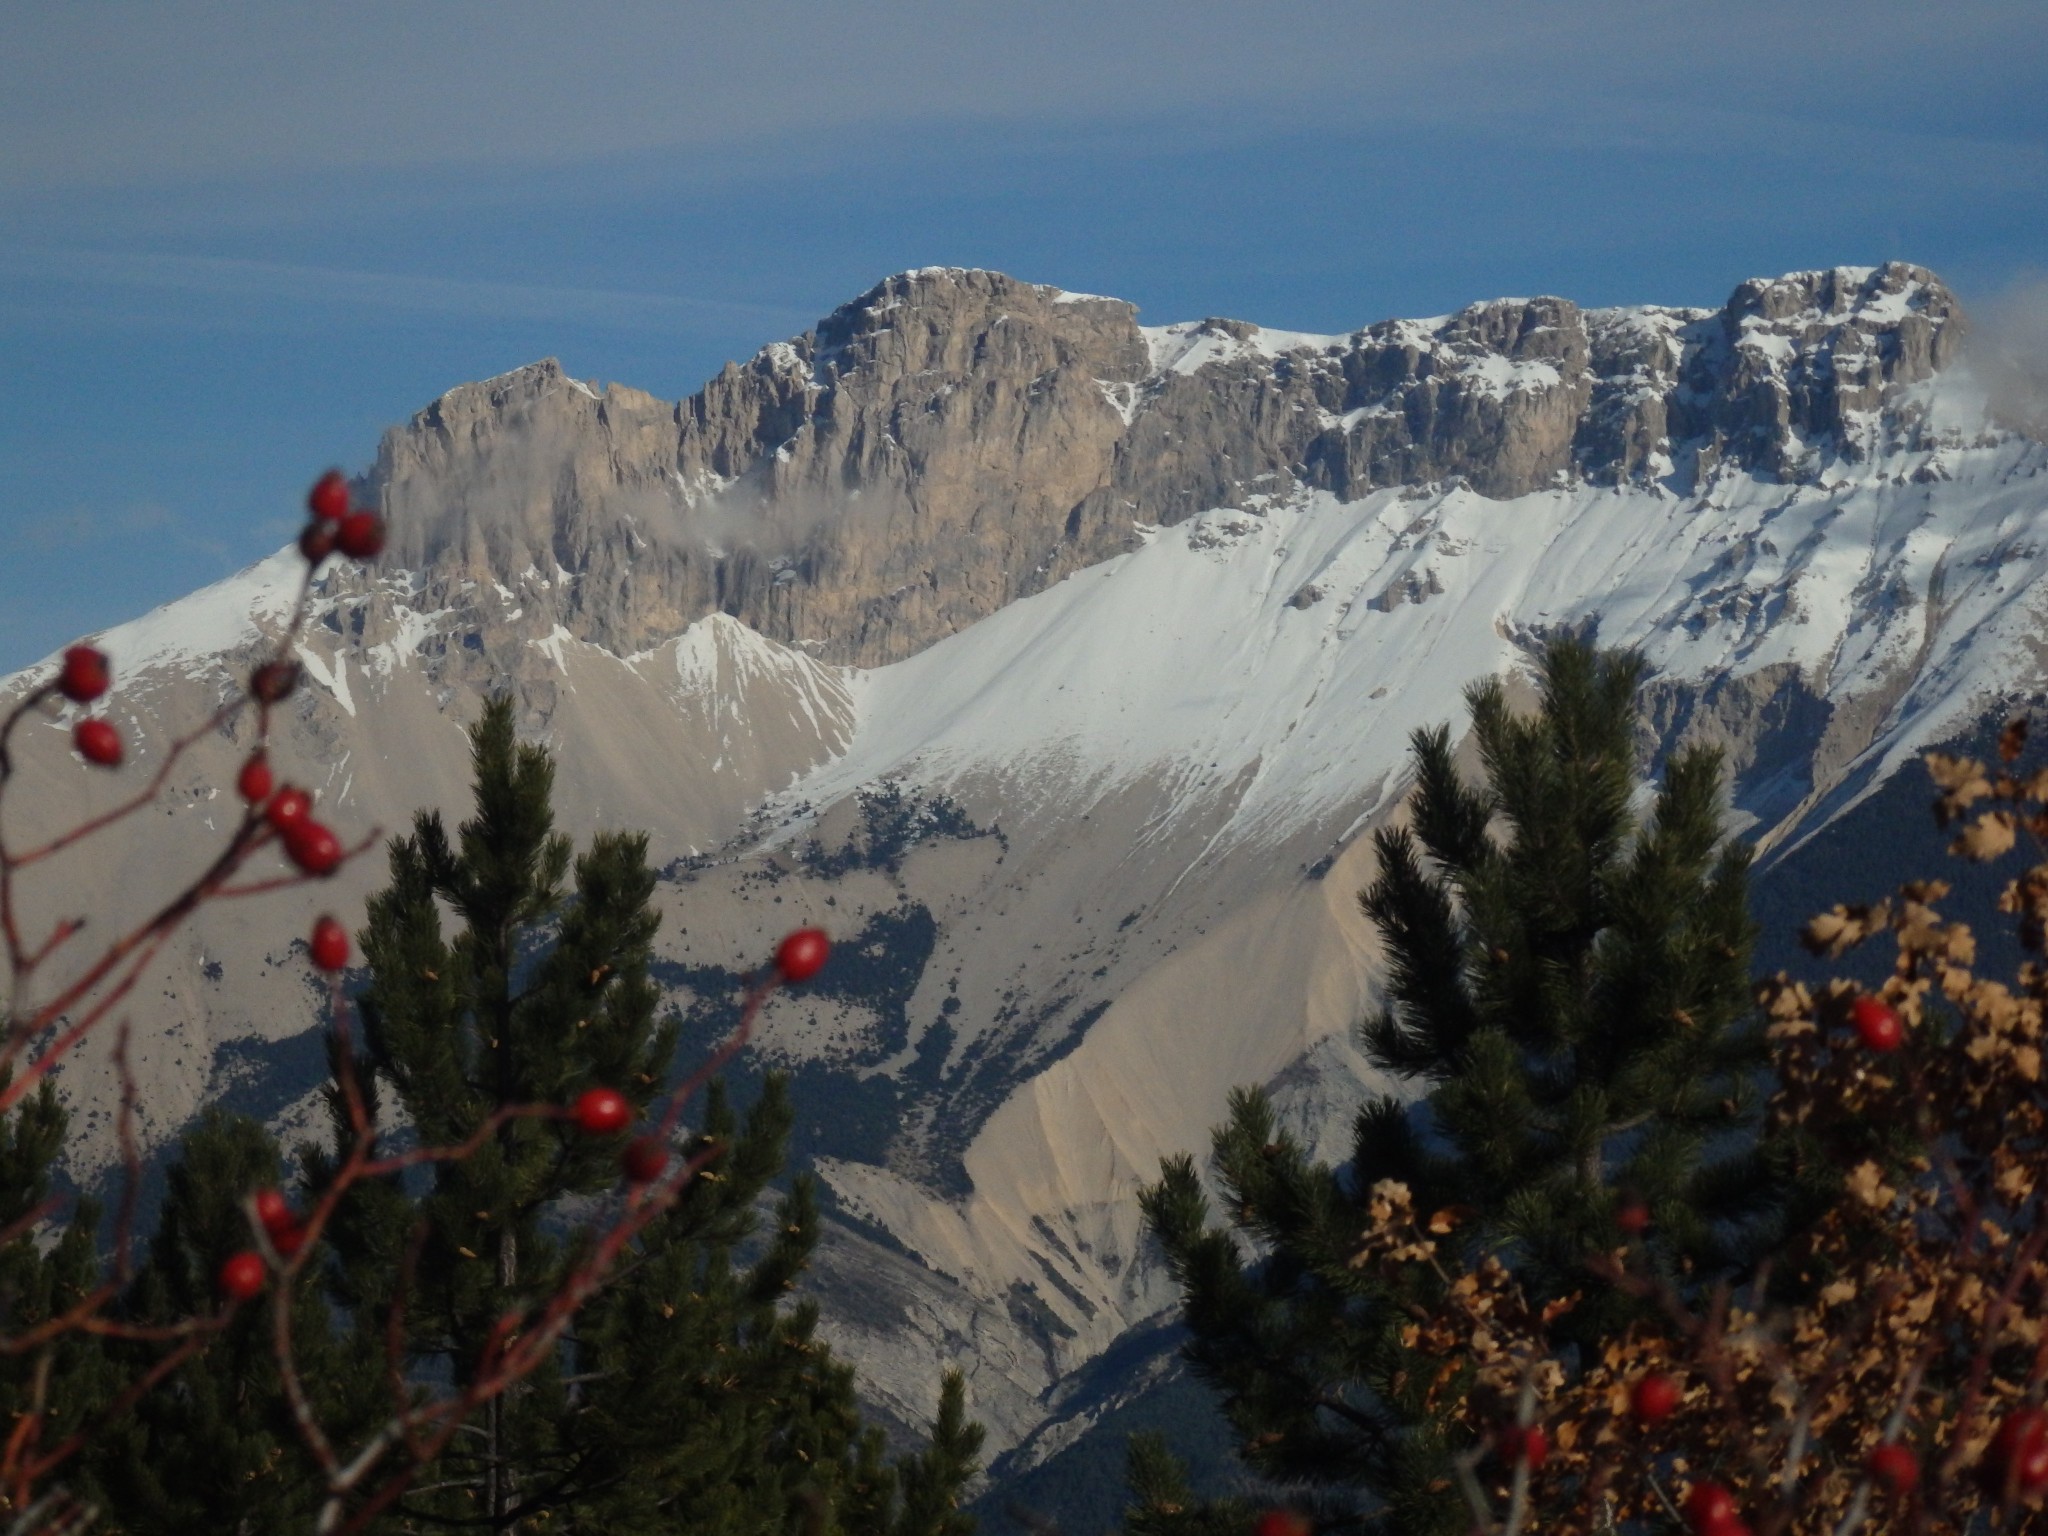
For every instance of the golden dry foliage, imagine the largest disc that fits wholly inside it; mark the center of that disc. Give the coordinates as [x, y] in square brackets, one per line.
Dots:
[1923, 1284]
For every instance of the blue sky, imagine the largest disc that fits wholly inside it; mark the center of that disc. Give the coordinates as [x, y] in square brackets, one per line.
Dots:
[238, 240]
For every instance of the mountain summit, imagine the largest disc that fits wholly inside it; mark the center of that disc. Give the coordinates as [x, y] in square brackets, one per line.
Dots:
[1059, 667]
[954, 440]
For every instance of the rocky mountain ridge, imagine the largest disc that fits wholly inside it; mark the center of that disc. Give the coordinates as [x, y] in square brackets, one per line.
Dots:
[953, 440]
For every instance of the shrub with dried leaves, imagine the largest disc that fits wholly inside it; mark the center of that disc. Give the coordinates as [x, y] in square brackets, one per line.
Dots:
[1884, 1370]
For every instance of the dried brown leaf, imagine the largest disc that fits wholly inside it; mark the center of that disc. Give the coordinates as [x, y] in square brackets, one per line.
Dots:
[1989, 837]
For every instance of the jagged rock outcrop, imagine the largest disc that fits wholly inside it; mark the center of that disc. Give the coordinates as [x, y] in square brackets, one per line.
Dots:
[953, 440]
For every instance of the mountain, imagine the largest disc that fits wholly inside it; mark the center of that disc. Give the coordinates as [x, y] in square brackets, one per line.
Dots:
[1059, 666]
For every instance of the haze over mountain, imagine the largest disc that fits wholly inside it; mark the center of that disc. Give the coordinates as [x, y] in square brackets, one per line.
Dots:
[1059, 666]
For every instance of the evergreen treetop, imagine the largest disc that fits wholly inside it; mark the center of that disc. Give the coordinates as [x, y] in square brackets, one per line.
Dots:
[1568, 980]
[688, 1395]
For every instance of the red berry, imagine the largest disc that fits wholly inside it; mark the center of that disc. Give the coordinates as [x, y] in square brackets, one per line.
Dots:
[274, 681]
[1896, 1467]
[602, 1112]
[97, 742]
[1708, 1508]
[290, 806]
[316, 541]
[288, 1239]
[361, 536]
[1654, 1397]
[242, 1276]
[1632, 1216]
[801, 955]
[85, 674]
[645, 1158]
[273, 1211]
[1517, 1444]
[2020, 1450]
[329, 944]
[329, 497]
[1283, 1522]
[1877, 1024]
[312, 847]
[253, 782]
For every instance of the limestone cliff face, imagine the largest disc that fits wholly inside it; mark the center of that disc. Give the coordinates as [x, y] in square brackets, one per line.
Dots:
[953, 440]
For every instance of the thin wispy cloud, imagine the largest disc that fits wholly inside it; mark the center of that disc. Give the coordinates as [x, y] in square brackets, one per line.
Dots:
[145, 523]
[94, 92]
[240, 278]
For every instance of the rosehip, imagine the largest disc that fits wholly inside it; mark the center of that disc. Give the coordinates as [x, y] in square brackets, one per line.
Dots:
[312, 847]
[288, 1239]
[2019, 1450]
[602, 1112]
[1895, 1467]
[274, 681]
[253, 783]
[242, 1276]
[1654, 1397]
[85, 674]
[1283, 1522]
[316, 541]
[1518, 1444]
[329, 944]
[273, 1210]
[1708, 1508]
[1632, 1216]
[644, 1159]
[361, 535]
[1877, 1024]
[328, 499]
[97, 742]
[290, 806]
[802, 954]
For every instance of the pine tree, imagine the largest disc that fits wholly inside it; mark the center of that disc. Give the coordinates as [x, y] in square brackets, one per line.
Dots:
[1570, 983]
[215, 1448]
[71, 1377]
[689, 1398]
[1161, 1504]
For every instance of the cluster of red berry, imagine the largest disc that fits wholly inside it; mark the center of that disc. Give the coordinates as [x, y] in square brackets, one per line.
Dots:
[308, 843]
[84, 677]
[596, 1112]
[336, 526]
[242, 1276]
[2018, 1463]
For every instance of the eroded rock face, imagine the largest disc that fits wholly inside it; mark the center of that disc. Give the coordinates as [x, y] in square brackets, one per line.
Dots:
[953, 440]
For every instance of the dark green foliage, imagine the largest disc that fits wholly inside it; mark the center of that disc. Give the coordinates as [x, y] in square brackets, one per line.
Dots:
[38, 1285]
[1161, 1503]
[1570, 984]
[1575, 989]
[690, 1398]
[214, 1448]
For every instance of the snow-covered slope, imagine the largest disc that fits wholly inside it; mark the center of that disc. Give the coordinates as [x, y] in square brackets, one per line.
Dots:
[1256, 671]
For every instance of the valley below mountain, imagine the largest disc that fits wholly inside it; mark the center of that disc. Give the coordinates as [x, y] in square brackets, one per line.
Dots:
[1060, 668]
